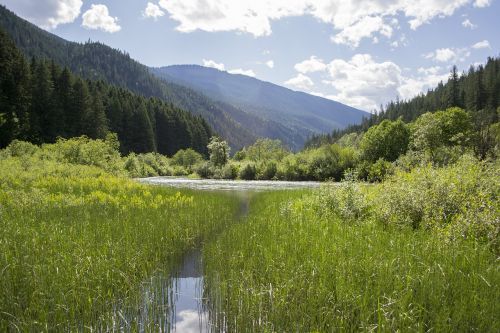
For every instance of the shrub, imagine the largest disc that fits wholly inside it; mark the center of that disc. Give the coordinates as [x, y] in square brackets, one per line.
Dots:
[345, 200]
[427, 197]
[248, 172]
[229, 171]
[379, 170]
[204, 170]
[267, 171]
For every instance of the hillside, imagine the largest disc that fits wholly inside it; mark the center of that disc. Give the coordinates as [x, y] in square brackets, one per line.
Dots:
[40, 102]
[301, 113]
[97, 61]
[477, 91]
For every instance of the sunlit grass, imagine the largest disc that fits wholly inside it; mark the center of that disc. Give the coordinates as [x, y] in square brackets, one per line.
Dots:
[76, 243]
[290, 269]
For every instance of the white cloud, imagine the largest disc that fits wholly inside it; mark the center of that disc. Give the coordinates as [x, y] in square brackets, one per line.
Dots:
[482, 45]
[313, 64]
[354, 19]
[468, 24]
[98, 18]
[365, 27]
[247, 72]
[482, 3]
[300, 81]
[448, 55]
[213, 64]
[365, 83]
[153, 11]
[270, 64]
[47, 14]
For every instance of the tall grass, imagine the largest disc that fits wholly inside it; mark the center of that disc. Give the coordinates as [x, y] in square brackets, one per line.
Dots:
[76, 242]
[298, 265]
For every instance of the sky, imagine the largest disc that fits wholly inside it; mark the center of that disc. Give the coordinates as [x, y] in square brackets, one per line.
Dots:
[363, 53]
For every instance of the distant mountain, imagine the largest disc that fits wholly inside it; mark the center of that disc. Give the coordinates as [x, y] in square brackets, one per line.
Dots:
[97, 61]
[299, 112]
[242, 110]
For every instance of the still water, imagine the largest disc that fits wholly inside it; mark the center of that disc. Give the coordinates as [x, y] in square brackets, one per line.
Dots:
[175, 303]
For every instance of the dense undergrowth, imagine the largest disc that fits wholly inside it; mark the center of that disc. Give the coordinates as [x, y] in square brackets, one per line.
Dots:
[418, 252]
[76, 242]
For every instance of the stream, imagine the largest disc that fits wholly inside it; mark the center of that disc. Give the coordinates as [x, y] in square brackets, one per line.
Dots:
[175, 303]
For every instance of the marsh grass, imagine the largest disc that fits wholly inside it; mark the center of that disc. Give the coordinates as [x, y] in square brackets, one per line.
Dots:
[76, 244]
[289, 268]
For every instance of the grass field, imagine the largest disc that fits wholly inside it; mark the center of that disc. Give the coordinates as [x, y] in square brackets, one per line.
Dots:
[298, 265]
[76, 242]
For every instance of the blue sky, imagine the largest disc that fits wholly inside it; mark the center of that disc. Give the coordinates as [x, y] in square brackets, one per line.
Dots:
[360, 52]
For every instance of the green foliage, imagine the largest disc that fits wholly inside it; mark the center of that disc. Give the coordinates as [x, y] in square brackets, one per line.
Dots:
[443, 198]
[219, 151]
[265, 150]
[387, 140]
[345, 200]
[248, 171]
[186, 158]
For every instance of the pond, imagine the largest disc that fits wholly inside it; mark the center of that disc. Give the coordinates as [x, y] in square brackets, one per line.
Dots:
[186, 311]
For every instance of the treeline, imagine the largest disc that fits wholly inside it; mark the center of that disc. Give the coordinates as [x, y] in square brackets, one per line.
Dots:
[40, 101]
[477, 91]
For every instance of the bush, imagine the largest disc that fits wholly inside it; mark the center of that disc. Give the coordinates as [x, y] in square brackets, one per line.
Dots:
[229, 171]
[267, 171]
[21, 148]
[204, 170]
[248, 172]
[379, 170]
[187, 158]
[448, 197]
[345, 200]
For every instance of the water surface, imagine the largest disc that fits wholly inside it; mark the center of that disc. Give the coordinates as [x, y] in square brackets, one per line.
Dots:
[228, 185]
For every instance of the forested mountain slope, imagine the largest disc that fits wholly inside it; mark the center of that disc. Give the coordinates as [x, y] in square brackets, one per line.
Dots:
[477, 91]
[300, 112]
[40, 101]
[97, 61]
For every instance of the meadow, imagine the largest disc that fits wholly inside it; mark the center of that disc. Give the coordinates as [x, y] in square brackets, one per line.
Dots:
[77, 243]
[81, 244]
[416, 253]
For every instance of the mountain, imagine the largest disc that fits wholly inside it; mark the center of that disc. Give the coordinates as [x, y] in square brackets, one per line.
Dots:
[280, 114]
[97, 61]
[40, 102]
[299, 112]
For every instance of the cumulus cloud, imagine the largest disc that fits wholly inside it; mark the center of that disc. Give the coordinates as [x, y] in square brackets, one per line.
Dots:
[448, 55]
[213, 64]
[47, 14]
[364, 83]
[247, 72]
[153, 11]
[364, 28]
[482, 3]
[354, 19]
[482, 45]
[468, 24]
[98, 18]
[311, 65]
[300, 81]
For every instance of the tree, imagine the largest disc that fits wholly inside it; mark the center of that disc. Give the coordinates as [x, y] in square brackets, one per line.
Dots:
[219, 151]
[388, 140]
